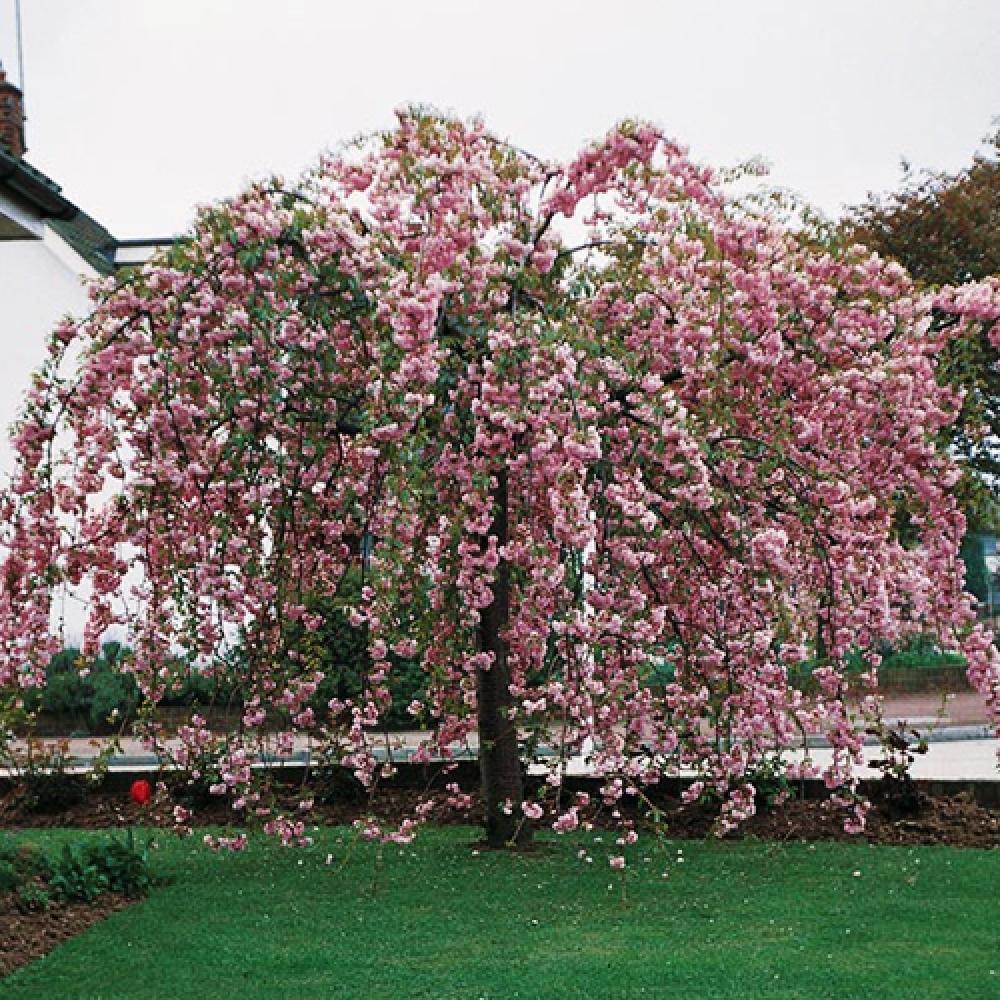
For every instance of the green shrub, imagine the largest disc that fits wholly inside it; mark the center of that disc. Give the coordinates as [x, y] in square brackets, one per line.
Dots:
[89, 692]
[81, 871]
[919, 653]
[9, 878]
[94, 693]
[340, 650]
[75, 876]
[24, 860]
[65, 691]
[31, 898]
[922, 661]
[123, 864]
[30, 860]
[660, 673]
[977, 573]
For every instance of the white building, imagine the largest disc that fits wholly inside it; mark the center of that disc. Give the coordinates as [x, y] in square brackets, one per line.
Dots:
[49, 251]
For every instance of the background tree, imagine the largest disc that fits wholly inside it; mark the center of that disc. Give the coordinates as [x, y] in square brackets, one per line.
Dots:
[552, 468]
[87, 691]
[977, 573]
[944, 228]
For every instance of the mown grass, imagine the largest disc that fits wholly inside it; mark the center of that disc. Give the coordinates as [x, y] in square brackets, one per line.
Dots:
[436, 920]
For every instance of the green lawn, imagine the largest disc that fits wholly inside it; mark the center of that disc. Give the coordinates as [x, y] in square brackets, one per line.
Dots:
[732, 920]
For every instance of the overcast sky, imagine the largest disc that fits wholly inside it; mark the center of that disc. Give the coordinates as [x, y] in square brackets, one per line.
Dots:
[142, 109]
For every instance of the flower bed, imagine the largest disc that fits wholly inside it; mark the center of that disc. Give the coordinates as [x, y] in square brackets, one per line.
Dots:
[50, 894]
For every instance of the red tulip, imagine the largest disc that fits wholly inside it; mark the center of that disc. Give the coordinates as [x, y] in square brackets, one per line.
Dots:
[141, 792]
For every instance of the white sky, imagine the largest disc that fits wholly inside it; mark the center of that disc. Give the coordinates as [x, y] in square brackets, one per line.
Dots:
[142, 109]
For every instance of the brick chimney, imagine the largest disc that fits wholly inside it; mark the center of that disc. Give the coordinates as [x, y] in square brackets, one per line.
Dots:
[11, 116]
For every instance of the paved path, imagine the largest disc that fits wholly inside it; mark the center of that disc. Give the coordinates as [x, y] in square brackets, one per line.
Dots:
[951, 760]
[956, 754]
[962, 747]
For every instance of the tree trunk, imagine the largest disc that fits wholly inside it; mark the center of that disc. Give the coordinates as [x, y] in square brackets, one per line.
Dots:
[499, 760]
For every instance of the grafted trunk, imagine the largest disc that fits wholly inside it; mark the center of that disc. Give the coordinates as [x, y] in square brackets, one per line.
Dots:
[499, 760]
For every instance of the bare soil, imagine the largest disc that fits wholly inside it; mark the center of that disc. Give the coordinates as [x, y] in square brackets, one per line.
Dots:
[27, 935]
[956, 821]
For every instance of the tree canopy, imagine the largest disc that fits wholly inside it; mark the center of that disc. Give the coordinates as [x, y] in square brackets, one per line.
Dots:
[945, 229]
[544, 469]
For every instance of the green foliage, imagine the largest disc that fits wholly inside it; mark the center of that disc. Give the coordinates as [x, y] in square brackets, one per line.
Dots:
[660, 673]
[945, 229]
[75, 876]
[31, 860]
[977, 574]
[99, 695]
[64, 687]
[340, 650]
[123, 864]
[900, 747]
[31, 898]
[22, 867]
[917, 660]
[331, 782]
[20, 863]
[218, 687]
[920, 653]
[89, 691]
[770, 782]
[191, 785]
[80, 871]
[25, 859]
[9, 880]
[95, 693]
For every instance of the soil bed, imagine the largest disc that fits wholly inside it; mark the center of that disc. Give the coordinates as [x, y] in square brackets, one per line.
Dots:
[25, 936]
[956, 821]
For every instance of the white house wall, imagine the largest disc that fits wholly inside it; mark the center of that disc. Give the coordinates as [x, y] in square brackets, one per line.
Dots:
[40, 282]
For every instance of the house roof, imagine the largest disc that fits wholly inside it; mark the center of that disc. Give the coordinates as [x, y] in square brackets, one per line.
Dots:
[89, 239]
[85, 235]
